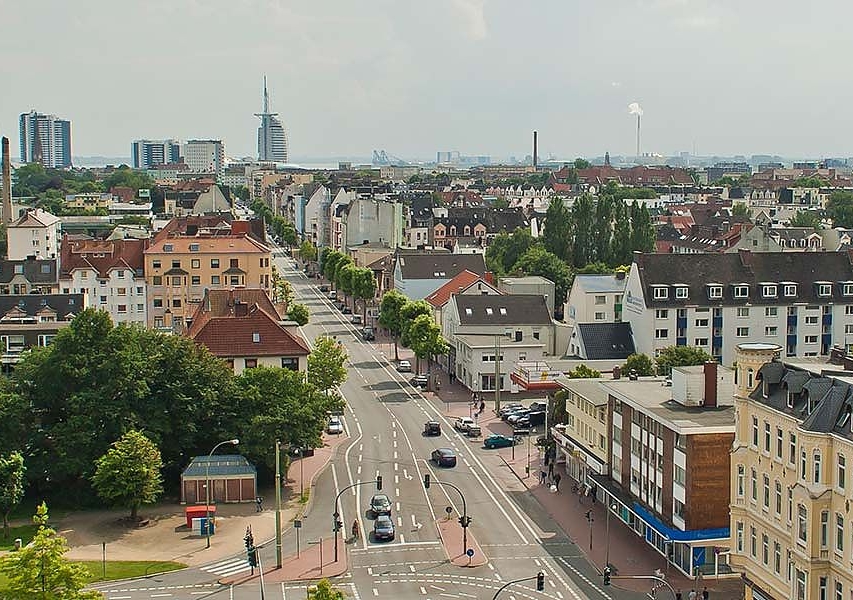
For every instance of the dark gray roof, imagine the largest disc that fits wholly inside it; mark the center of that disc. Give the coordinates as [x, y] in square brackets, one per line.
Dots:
[698, 271]
[515, 309]
[494, 219]
[221, 465]
[34, 271]
[65, 305]
[822, 403]
[439, 266]
[606, 341]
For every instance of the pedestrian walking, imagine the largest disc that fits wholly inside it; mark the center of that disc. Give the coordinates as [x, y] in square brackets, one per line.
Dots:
[550, 469]
[691, 595]
[678, 594]
[557, 478]
[543, 477]
[259, 504]
[482, 406]
[705, 593]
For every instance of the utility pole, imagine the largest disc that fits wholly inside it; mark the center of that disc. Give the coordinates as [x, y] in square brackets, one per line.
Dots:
[497, 374]
[277, 504]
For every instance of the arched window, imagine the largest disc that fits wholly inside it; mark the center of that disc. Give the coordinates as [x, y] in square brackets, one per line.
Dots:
[750, 378]
[467, 231]
[453, 230]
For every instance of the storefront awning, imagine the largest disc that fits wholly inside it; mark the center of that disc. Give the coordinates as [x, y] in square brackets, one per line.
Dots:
[678, 535]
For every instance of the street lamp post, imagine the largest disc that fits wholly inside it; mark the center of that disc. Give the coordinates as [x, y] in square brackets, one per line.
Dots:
[590, 520]
[540, 583]
[464, 520]
[611, 508]
[233, 442]
[337, 514]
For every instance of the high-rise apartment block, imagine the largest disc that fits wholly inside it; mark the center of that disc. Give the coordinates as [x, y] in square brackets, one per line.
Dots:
[148, 154]
[45, 139]
[205, 156]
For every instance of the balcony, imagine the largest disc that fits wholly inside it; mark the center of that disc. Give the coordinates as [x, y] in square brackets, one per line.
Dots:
[535, 375]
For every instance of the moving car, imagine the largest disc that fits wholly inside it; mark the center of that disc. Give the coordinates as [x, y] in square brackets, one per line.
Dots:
[443, 457]
[404, 366]
[334, 426]
[420, 381]
[367, 334]
[383, 528]
[432, 428]
[498, 441]
[380, 504]
[463, 423]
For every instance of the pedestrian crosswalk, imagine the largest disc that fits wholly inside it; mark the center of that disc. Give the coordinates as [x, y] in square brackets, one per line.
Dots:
[231, 566]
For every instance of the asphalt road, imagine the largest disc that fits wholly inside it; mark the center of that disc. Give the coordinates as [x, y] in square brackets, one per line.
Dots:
[384, 419]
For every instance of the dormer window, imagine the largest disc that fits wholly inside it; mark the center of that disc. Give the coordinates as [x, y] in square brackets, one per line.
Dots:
[768, 290]
[489, 311]
[741, 291]
[715, 291]
[682, 292]
[168, 247]
[847, 288]
[824, 289]
[502, 310]
[468, 311]
[790, 290]
[660, 292]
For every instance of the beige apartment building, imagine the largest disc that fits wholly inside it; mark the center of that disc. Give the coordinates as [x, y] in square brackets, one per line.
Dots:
[583, 440]
[791, 521]
[178, 270]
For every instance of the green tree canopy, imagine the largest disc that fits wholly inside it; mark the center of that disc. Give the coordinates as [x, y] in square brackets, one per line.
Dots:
[583, 372]
[12, 470]
[557, 235]
[298, 313]
[595, 268]
[129, 473]
[390, 316]
[538, 261]
[410, 311]
[640, 363]
[363, 287]
[307, 251]
[40, 571]
[840, 208]
[582, 163]
[425, 338]
[326, 362]
[740, 209]
[680, 356]
[806, 218]
[324, 590]
[810, 182]
[124, 176]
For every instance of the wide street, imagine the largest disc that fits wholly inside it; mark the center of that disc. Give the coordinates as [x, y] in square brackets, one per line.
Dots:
[384, 420]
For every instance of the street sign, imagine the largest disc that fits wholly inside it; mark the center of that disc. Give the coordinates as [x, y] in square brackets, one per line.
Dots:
[297, 524]
[469, 552]
[448, 510]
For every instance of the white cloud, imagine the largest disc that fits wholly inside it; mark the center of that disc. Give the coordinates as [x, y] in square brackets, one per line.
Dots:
[473, 13]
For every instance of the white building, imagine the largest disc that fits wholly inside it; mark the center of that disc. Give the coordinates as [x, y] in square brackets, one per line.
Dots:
[316, 219]
[204, 156]
[36, 233]
[595, 299]
[801, 301]
[374, 220]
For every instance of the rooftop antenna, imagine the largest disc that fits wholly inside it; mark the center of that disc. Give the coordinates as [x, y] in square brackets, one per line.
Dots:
[635, 109]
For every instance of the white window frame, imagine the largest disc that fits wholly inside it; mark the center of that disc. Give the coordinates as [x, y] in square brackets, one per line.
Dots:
[769, 290]
[682, 292]
[741, 291]
[790, 290]
[715, 291]
[660, 292]
[824, 290]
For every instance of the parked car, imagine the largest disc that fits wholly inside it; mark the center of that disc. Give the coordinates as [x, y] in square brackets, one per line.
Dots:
[506, 408]
[420, 381]
[512, 412]
[538, 405]
[536, 417]
[380, 504]
[356, 320]
[333, 295]
[404, 366]
[444, 457]
[498, 441]
[514, 417]
[334, 426]
[463, 423]
[383, 528]
[432, 428]
[325, 289]
[346, 310]
[367, 334]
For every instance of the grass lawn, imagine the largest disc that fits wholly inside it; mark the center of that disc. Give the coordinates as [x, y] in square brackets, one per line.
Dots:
[120, 569]
[25, 532]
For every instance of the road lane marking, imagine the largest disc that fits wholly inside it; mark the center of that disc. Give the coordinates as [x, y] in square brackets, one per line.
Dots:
[375, 592]
[412, 568]
[423, 590]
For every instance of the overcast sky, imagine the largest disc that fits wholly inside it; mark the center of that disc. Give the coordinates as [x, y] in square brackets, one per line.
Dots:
[414, 77]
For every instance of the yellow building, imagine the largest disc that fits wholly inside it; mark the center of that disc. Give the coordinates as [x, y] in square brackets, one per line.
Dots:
[791, 525]
[583, 440]
[178, 270]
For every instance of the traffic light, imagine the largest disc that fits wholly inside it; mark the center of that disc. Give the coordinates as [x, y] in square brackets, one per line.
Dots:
[540, 581]
[252, 555]
[379, 482]
[426, 480]
[607, 572]
[249, 540]
[337, 526]
[465, 520]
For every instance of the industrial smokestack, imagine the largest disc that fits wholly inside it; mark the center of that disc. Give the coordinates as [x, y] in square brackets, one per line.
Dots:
[535, 151]
[7, 183]
[635, 109]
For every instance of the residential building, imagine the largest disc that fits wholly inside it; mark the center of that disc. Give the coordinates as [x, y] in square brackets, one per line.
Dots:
[601, 341]
[792, 531]
[533, 284]
[149, 154]
[196, 197]
[316, 217]
[668, 463]
[179, 268]
[416, 276]
[109, 274]
[243, 328]
[170, 173]
[716, 301]
[29, 276]
[204, 156]
[45, 139]
[483, 329]
[466, 282]
[728, 169]
[479, 224]
[374, 220]
[272, 139]
[582, 441]
[88, 201]
[35, 233]
[33, 320]
[595, 299]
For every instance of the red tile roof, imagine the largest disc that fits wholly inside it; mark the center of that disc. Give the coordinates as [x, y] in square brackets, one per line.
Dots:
[462, 281]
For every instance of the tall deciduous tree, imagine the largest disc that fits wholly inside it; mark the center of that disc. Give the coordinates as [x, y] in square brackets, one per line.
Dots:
[12, 470]
[641, 364]
[326, 368]
[129, 473]
[425, 338]
[642, 230]
[390, 316]
[680, 356]
[620, 245]
[298, 313]
[583, 372]
[307, 251]
[538, 261]
[805, 218]
[583, 219]
[840, 208]
[363, 288]
[330, 264]
[602, 230]
[40, 571]
[412, 310]
[557, 236]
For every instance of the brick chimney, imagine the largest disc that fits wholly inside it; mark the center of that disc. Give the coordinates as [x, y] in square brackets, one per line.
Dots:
[709, 398]
[239, 227]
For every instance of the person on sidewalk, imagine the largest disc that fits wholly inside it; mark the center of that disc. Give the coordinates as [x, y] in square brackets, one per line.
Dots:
[482, 406]
[557, 478]
[259, 504]
[678, 594]
[704, 593]
[543, 477]
[691, 595]
[550, 469]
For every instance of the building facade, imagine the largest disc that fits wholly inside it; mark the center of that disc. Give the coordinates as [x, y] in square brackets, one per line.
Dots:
[35, 233]
[45, 139]
[792, 533]
[149, 154]
[204, 156]
[595, 299]
[272, 138]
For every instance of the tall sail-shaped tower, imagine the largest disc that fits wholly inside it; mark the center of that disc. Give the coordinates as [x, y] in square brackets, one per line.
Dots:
[272, 139]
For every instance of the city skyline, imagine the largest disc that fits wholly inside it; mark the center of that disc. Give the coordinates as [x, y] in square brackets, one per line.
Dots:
[470, 75]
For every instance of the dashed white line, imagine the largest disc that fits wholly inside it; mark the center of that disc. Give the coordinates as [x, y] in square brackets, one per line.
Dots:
[423, 590]
[375, 592]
